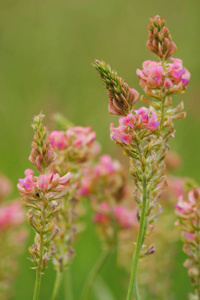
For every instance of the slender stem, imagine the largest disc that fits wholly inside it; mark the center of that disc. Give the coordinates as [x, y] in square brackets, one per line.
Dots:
[39, 267]
[68, 285]
[37, 285]
[139, 242]
[57, 284]
[137, 294]
[93, 274]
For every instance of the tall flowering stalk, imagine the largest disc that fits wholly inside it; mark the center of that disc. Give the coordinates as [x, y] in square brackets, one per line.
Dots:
[143, 134]
[75, 148]
[166, 236]
[188, 212]
[42, 195]
[105, 186]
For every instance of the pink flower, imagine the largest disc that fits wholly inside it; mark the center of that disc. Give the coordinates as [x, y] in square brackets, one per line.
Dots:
[5, 187]
[58, 139]
[103, 214]
[152, 74]
[65, 179]
[81, 135]
[187, 206]
[30, 186]
[106, 166]
[178, 73]
[119, 135]
[174, 78]
[143, 118]
[167, 83]
[183, 206]
[126, 218]
[149, 119]
[11, 215]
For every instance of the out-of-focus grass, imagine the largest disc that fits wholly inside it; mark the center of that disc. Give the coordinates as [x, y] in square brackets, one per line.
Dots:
[46, 51]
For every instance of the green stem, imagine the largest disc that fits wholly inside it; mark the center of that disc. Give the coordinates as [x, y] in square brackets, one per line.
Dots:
[93, 274]
[37, 285]
[132, 283]
[137, 294]
[57, 285]
[68, 285]
[39, 267]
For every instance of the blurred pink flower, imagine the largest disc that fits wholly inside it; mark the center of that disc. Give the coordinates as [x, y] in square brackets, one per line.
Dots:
[125, 218]
[11, 215]
[5, 187]
[58, 139]
[102, 216]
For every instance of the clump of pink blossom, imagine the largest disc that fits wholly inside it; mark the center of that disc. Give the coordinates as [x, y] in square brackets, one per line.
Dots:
[142, 118]
[125, 218]
[31, 186]
[174, 77]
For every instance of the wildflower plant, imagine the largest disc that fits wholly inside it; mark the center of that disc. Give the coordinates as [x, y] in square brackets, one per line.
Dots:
[105, 185]
[42, 195]
[75, 148]
[188, 212]
[143, 134]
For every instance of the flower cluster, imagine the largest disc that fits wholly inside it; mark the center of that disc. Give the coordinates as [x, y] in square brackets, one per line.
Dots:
[143, 134]
[142, 118]
[43, 195]
[49, 186]
[105, 184]
[105, 177]
[76, 145]
[75, 148]
[188, 212]
[158, 79]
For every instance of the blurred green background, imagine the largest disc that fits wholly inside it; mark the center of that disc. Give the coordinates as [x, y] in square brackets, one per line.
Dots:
[46, 51]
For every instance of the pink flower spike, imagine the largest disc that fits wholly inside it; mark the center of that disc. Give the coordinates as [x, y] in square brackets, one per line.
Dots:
[65, 179]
